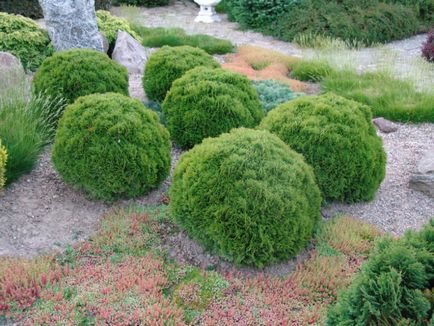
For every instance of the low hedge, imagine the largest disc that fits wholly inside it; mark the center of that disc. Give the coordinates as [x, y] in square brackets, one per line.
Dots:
[78, 72]
[111, 146]
[337, 137]
[25, 39]
[246, 196]
[3, 158]
[170, 63]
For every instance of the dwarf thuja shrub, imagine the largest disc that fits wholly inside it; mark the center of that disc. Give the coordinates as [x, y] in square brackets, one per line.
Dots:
[25, 39]
[109, 25]
[74, 73]
[208, 102]
[3, 158]
[246, 196]
[111, 146]
[337, 138]
[170, 63]
[394, 286]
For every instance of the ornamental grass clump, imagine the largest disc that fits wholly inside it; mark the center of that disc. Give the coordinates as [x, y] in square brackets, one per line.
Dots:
[3, 158]
[111, 146]
[337, 138]
[170, 63]
[79, 72]
[246, 196]
[208, 102]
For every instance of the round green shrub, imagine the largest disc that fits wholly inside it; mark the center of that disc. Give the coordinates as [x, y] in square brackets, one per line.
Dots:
[246, 196]
[111, 146]
[74, 73]
[208, 102]
[170, 63]
[3, 158]
[25, 39]
[109, 26]
[337, 138]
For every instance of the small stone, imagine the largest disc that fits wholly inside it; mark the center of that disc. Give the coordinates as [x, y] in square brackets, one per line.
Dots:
[129, 53]
[422, 178]
[10, 61]
[385, 125]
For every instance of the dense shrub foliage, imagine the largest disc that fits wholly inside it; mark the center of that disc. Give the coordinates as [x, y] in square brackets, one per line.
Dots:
[111, 146]
[337, 138]
[208, 102]
[272, 93]
[159, 36]
[142, 3]
[394, 286]
[3, 159]
[74, 73]
[428, 48]
[246, 196]
[170, 63]
[25, 39]
[109, 25]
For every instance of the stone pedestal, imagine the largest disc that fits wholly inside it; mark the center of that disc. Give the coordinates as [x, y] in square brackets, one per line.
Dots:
[207, 13]
[72, 24]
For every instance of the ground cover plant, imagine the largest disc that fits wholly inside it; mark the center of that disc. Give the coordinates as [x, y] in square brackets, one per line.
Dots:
[122, 275]
[25, 39]
[208, 102]
[336, 136]
[74, 73]
[236, 195]
[111, 146]
[109, 26]
[394, 286]
[170, 63]
[159, 36]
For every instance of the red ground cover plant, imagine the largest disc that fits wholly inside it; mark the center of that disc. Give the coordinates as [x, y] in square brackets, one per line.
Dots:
[428, 47]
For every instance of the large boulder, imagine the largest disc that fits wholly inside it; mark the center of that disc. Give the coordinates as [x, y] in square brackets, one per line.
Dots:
[422, 178]
[129, 53]
[72, 24]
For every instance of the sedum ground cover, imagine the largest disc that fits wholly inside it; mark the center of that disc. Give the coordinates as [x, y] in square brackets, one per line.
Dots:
[123, 276]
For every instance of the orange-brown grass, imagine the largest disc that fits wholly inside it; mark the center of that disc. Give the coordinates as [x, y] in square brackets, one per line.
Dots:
[260, 64]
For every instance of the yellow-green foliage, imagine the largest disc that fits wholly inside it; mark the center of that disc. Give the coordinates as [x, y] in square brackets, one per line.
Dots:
[170, 63]
[25, 39]
[208, 102]
[109, 25]
[3, 158]
[247, 196]
[337, 138]
[111, 146]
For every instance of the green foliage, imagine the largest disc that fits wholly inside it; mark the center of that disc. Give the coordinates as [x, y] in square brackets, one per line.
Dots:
[109, 26]
[272, 93]
[246, 196]
[393, 286]
[3, 160]
[208, 102]
[111, 146]
[170, 63]
[388, 97]
[142, 3]
[74, 73]
[159, 36]
[313, 71]
[25, 39]
[337, 138]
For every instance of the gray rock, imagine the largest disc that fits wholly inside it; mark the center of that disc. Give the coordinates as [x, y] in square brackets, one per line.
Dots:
[384, 125]
[422, 178]
[72, 24]
[9, 61]
[129, 53]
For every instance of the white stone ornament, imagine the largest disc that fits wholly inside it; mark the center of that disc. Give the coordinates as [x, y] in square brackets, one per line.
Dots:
[207, 13]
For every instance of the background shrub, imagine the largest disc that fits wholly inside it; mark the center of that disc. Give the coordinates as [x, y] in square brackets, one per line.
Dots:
[246, 196]
[208, 102]
[428, 48]
[394, 286]
[111, 146]
[272, 93]
[142, 3]
[109, 26]
[25, 39]
[3, 159]
[168, 64]
[337, 138]
[307, 70]
[74, 73]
